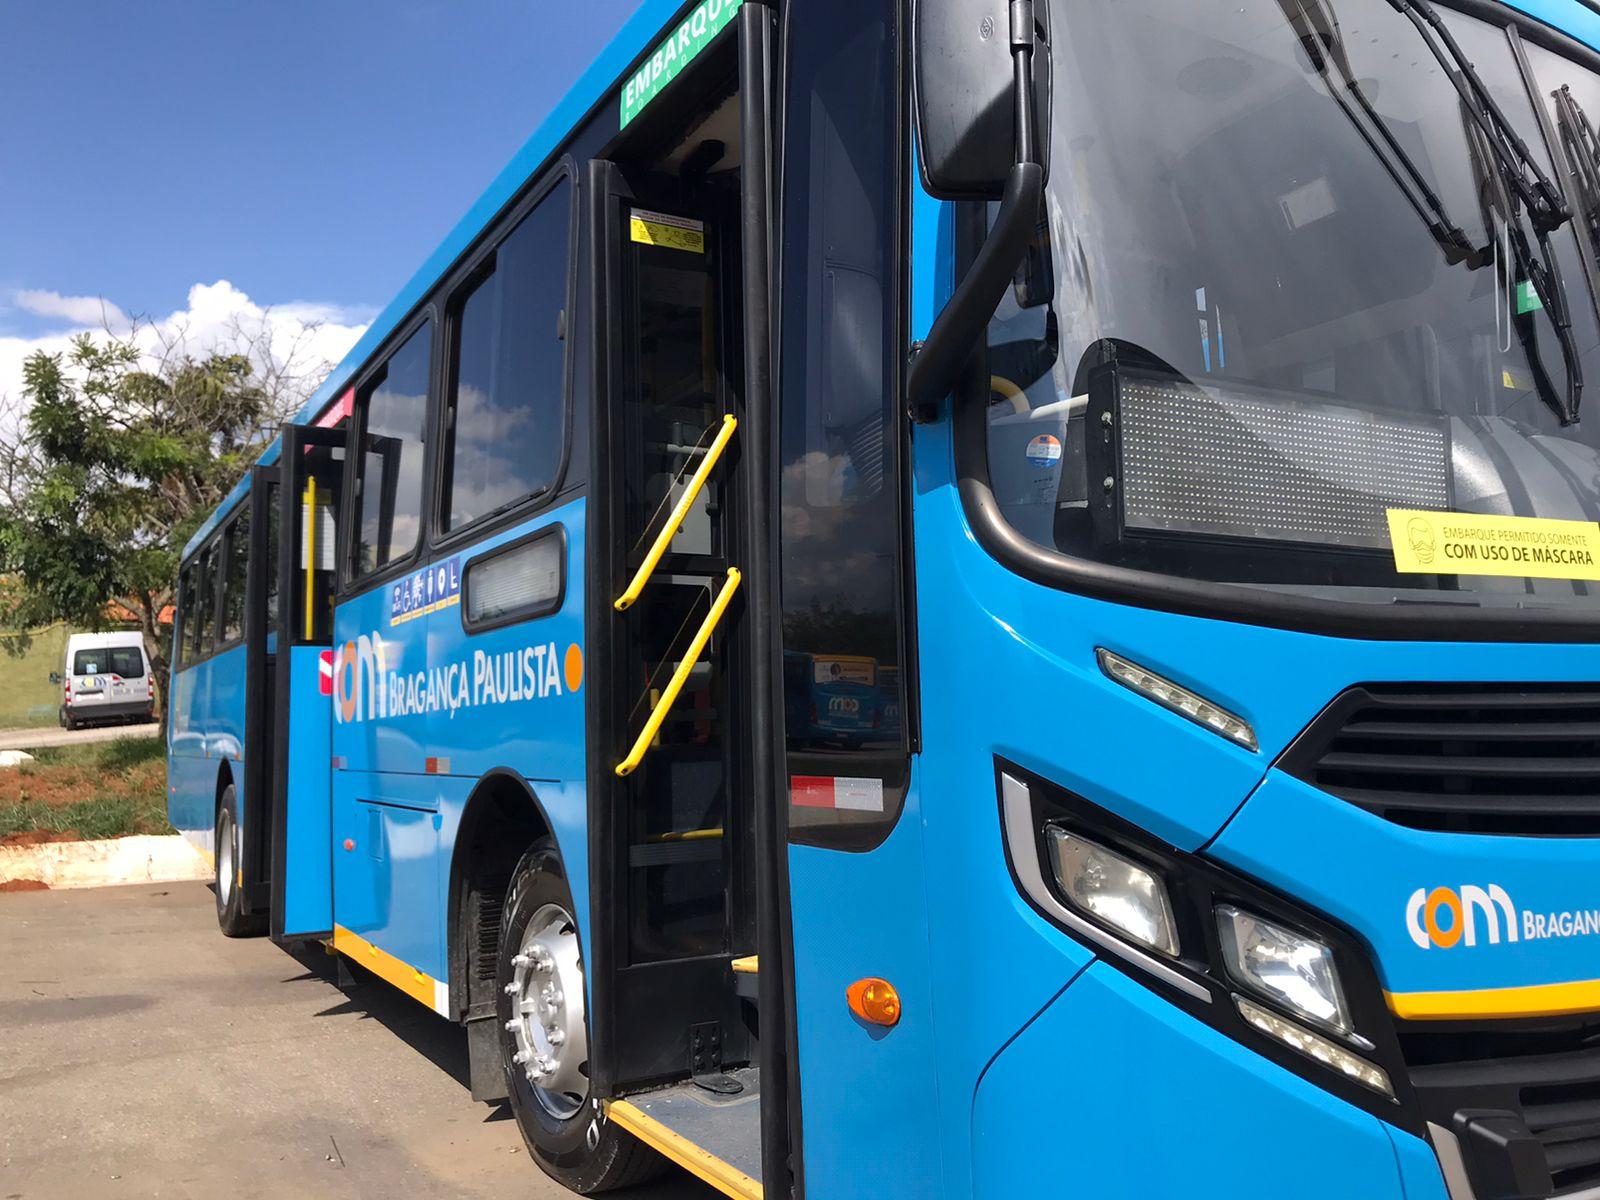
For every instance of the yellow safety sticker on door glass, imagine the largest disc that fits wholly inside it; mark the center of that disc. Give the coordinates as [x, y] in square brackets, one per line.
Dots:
[1446, 543]
[662, 229]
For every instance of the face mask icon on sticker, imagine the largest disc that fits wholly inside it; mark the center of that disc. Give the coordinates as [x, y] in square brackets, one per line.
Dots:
[1420, 534]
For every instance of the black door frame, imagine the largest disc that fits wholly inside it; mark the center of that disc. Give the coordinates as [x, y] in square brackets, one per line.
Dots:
[257, 772]
[297, 439]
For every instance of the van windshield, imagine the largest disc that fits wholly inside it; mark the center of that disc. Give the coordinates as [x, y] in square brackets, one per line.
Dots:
[1286, 295]
[126, 661]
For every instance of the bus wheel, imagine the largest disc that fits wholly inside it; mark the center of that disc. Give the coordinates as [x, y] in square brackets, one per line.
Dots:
[544, 1038]
[231, 917]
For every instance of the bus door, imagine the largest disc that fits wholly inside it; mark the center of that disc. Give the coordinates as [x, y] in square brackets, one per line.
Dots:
[672, 847]
[257, 785]
[311, 473]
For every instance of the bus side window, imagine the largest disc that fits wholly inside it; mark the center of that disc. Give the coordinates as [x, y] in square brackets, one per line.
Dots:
[205, 626]
[233, 583]
[392, 415]
[184, 649]
[843, 610]
[271, 565]
[507, 421]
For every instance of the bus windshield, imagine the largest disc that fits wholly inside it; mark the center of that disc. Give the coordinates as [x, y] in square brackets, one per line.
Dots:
[1291, 281]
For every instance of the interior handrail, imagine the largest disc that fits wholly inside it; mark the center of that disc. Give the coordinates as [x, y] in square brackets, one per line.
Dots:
[691, 659]
[697, 483]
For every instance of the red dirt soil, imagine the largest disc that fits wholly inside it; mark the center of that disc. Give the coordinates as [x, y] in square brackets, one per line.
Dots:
[24, 885]
[40, 837]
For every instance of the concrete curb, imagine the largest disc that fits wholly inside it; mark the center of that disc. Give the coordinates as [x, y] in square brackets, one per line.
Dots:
[98, 864]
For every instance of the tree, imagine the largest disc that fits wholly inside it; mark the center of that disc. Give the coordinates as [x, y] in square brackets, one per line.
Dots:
[124, 446]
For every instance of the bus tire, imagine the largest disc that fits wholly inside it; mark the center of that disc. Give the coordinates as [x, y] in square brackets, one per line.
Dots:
[563, 1124]
[231, 917]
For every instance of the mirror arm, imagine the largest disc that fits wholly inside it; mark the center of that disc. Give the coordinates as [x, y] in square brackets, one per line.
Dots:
[958, 327]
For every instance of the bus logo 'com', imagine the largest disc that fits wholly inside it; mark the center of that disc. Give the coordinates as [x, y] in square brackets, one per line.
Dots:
[1446, 918]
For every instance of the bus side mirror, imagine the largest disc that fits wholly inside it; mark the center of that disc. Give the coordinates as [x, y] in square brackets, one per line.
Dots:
[964, 73]
[55, 678]
[970, 151]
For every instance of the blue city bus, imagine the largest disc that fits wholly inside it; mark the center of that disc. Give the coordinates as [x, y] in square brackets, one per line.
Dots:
[1179, 403]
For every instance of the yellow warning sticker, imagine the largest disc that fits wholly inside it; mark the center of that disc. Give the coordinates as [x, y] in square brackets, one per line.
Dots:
[1447, 543]
[662, 229]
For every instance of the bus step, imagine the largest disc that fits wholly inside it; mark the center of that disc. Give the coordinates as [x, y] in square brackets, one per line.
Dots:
[745, 973]
[717, 1138]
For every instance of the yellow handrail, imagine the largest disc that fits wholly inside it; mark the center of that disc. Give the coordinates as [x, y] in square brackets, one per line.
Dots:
[691, 658]
[697, 483]
[311, 557]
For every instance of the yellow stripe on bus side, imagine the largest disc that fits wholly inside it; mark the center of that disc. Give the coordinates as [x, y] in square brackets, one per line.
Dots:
[414, 983]
[1539, 1000]
[730, 1181]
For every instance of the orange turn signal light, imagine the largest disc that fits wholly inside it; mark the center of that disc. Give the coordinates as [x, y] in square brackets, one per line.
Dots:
[875, 1001]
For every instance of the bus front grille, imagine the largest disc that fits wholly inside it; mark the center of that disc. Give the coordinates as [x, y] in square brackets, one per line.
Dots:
[1543, 1078]
[1509, 759]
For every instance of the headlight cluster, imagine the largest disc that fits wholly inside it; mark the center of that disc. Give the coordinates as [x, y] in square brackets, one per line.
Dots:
[1243, 959]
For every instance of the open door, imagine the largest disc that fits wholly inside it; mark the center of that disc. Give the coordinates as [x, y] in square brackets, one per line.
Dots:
[684, 729]
[678, 869]
[311, 471]
[258, 785]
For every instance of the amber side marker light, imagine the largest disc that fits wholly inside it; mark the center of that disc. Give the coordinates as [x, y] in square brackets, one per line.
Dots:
[875, 1001]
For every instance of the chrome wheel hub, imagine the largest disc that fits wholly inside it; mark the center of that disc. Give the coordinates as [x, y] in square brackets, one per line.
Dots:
[225, 859]
[547, 1017]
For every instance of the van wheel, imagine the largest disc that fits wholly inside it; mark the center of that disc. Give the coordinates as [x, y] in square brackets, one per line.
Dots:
[69, 722]
[231, 917]
[544, 1038]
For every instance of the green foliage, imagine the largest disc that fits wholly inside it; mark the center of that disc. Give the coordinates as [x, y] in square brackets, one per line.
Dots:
[121, 462]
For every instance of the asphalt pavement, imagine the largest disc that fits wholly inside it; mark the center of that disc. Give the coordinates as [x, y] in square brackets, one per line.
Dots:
[142, 1054]
[38, 739]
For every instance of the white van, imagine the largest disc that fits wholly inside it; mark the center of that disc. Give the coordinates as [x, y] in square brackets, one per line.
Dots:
[106, 678]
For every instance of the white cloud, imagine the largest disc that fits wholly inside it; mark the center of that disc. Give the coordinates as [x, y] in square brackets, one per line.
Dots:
[94, 311]
[217, 315]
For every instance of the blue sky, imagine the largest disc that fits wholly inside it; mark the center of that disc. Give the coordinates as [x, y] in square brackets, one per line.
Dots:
[306, 153]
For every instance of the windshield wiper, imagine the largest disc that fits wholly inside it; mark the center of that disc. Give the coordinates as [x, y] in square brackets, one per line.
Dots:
[1521, 184]
[1522, 172]
[1320, 37]
[1583, 153]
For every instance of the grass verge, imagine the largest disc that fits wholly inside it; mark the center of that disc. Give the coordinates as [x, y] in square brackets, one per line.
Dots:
[101, 790]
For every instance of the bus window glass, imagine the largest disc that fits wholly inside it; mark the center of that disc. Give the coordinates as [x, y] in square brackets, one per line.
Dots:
[842, 618]
[187, 613]
[272, 556]
[206, 625]
[509, 400]
[235, 579]
[395, 414]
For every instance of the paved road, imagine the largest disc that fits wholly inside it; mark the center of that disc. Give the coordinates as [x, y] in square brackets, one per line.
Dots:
[144, 1055]
[37, 739]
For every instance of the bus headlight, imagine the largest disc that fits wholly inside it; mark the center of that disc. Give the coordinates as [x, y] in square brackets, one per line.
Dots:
[1281, 965]
[1114, 890]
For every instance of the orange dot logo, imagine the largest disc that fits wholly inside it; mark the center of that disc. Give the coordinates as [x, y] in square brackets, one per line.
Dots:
[1445, 899]
[574, 667]
[345, 681]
